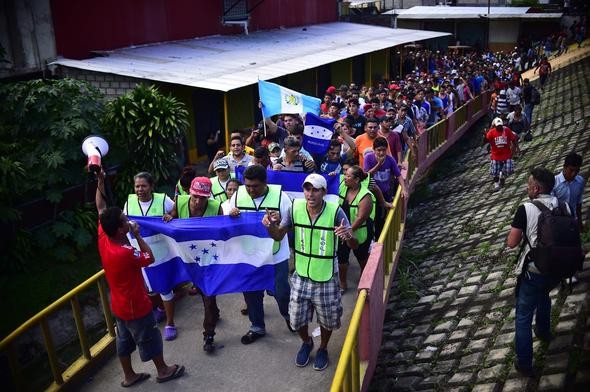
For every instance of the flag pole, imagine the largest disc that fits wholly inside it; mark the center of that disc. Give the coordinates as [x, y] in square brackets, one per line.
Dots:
[262, 112]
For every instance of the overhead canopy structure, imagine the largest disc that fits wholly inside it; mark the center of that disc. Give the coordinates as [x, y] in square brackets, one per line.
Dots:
[226, 63]
[450, 12]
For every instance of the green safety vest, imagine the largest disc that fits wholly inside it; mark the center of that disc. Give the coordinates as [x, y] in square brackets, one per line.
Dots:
[365, 185]
[156, 208]
[180, 189]
[183, 207]
[217, 191]
[271, 200]
[315, 243]
[361, 232]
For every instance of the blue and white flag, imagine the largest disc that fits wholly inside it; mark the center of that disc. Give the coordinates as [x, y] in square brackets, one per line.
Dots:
[317, 133]
[292, 183]
[219, 254]
[278, 99]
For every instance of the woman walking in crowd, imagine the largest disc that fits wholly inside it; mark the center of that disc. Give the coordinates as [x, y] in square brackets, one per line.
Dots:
[146, 202]
[357, 204]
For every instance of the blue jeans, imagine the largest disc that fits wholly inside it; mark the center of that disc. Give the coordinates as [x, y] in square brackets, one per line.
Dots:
[282, 293]
[533, 294]
[528, 111]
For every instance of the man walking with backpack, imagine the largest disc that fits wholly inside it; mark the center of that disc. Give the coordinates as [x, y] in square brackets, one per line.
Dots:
[531, 97]
[551, 252]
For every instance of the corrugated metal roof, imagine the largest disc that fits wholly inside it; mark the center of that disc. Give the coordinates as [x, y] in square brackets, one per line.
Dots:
[226, 63]
[451, 12]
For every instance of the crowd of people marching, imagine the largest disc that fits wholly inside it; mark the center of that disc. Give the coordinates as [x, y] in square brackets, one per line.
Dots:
[374, 128]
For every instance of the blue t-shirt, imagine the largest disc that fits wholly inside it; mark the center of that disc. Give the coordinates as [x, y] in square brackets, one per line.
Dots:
[327, 167]
[569, 192]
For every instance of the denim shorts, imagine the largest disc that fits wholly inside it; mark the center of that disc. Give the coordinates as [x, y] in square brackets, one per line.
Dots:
[143, 333]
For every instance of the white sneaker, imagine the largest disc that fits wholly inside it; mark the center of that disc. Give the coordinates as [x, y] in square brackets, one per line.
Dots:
[496, 186]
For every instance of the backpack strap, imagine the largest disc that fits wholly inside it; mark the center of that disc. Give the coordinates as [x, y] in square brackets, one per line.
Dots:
[542, 207]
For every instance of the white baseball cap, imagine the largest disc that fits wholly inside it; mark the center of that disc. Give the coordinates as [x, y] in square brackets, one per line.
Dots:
[497, 121]
[317, 181]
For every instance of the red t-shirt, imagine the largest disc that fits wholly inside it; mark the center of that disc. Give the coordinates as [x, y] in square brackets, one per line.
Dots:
[122, 267]
[501, 142]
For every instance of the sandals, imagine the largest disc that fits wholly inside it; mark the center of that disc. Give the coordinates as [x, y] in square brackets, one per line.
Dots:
[141, 377]
[170, 332]
[178, 371]
[251, 337]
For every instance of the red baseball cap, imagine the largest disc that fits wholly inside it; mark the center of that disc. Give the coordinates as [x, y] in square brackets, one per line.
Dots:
[201, 186]
[331, 90]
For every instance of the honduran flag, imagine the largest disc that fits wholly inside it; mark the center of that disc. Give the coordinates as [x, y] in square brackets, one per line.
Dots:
[292, 183]
[278, 99]
[219, 254]
[317, 133]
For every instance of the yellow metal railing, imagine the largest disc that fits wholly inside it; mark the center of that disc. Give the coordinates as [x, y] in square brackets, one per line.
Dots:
[390, 234]
[347, 377]
[437, 135]
[350, 371]
[41, 319]
[460, 117]
[477, 103]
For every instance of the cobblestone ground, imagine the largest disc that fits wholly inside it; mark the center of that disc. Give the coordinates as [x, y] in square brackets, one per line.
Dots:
[450, 320]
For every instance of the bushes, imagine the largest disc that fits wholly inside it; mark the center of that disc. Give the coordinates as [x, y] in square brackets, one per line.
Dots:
[150, 127]
[42, 123]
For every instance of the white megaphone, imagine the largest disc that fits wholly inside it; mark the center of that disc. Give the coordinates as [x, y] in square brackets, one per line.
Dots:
[94, 147]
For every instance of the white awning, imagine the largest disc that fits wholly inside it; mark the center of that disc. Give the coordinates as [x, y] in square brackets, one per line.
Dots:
[226, 63]
[451, 12]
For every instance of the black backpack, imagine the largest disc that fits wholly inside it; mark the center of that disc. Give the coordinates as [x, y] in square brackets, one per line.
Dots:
[559, 247]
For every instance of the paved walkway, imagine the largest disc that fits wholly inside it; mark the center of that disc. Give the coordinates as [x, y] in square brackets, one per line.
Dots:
[450, 320]
[266, 365]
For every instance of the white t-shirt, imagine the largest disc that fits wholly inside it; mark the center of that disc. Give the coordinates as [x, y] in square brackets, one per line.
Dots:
[283, 253]
[145, 205]
[233, 162]
[513, 95]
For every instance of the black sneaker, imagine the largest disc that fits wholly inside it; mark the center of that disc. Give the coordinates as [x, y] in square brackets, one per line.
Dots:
[209, 345]
[251, 337]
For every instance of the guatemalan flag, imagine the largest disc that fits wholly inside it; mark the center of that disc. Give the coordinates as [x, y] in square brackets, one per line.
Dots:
[278, 99]
[292, 183]
[317, 133]
[219, 254]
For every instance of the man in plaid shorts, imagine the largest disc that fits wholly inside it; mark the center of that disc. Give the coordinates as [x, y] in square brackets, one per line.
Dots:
[318, 226]
[502, 141]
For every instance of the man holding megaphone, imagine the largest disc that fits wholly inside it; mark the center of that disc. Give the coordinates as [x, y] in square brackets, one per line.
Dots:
[144, 202]
[122, 263]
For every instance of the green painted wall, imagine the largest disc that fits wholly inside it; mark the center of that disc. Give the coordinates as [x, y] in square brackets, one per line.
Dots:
[304, 82]
[379, 65]
[340, 72]
[184, 95]
[240, 108]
